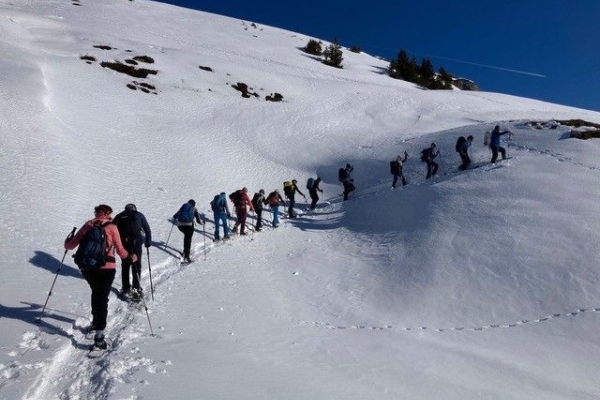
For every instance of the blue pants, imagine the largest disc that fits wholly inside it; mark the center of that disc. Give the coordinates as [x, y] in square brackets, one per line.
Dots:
[275, 211]
[221, 217]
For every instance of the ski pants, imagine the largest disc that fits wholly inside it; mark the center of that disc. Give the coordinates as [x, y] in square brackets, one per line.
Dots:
[348, 187]
[495, 150]
[241, 214]
[466, 161]
[403, 180]
[275, 211]
[291, 205]
[135, 267]
[188, 232]
[432, 168]
[100, 281]
[221, 218]
[314, 197]
[258, 218]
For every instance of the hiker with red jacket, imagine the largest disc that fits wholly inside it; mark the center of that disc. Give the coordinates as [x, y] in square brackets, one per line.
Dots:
[100, 279]
[241, 202]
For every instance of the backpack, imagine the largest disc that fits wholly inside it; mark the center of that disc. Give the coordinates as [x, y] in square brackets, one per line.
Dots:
[272, 199]
[287, 188]
[257, 201]
[91, 253]
[394, 167]
[216, 205]
[310, 183]
[342, 174]
[236, 198]
[424, 154]
[186, 213]
[486, 139]
[129, 226]
[459, 143]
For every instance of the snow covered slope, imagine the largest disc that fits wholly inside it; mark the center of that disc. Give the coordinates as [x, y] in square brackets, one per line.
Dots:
[474, 285]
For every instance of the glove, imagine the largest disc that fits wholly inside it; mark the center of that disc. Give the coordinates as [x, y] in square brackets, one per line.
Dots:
[228, 215]
[147, 244]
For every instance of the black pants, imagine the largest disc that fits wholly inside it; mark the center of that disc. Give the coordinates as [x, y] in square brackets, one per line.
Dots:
[432, 168]
[466, 161]
[258, 212]
[348, 187]
[188, 232]
[495, 150]
[314, 197]
[135, 267]
[291, 204]
[100, 281]
[403, 180]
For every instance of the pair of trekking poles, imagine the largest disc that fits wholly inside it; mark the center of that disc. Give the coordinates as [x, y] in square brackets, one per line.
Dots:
[39, 319]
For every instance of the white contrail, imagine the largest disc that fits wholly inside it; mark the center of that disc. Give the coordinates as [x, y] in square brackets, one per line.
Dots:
[516, 71]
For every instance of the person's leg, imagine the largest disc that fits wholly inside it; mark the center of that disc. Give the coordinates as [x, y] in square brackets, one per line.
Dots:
[125, 267]
[503, 152]
[394, 181]
[275, 210]
[494, 154]
[136, 267]
[243, 216]
[187, 241]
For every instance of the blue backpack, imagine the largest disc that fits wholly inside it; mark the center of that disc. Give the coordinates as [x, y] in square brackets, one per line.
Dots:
[186, 213]
[217, 204]
[310, 183]
[91, 253]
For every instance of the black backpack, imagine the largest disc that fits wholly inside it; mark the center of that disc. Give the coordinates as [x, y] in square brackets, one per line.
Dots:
[236, 198]
[459, 142]
[91, 253]
[394, 167]
[342, 174]
[129, 227]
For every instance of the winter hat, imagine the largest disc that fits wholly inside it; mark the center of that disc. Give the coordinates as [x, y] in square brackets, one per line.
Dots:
[192, 202]
[433, 145]
[261, 191]
[130, 207]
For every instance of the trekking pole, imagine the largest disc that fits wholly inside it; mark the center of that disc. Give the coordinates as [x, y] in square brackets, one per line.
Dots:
[145, 307]
[150, 273]
[39, 319]
[204, 237]
[252, 236]
[169, 237]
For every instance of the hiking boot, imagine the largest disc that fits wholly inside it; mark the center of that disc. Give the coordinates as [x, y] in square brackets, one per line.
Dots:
[234, 230]
[226, 237]
[137, 294]
[125, 294]
[258, 229]
[243, 234]
[100, 343]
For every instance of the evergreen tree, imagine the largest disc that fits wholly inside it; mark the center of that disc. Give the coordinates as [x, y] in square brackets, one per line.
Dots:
[313, 47]
[333, 54]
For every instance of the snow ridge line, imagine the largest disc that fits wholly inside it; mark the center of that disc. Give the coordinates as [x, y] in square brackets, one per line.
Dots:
[458, 328]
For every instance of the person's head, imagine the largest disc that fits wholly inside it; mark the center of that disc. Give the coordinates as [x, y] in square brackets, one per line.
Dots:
[348, 166]
[261, 191]
[192, 202]
[433, 146]
[318, 179]
[130, 207]
[223, 194]
[245, 189]
[294, 181]
[103, 210]
[470, 138]
[277, 191]
[497, 128]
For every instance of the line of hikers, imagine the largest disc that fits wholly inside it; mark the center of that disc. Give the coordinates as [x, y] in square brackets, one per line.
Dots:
[99, 238]
[428, 155]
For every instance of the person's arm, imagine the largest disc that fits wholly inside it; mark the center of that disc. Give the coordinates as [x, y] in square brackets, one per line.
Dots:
[112, 230]
[147, 231]
[71, 243]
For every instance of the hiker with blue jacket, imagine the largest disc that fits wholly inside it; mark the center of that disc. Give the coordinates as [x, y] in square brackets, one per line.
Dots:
[221, 214]
[462, 146]
[427, 156]
[185, 223]
[495, 143]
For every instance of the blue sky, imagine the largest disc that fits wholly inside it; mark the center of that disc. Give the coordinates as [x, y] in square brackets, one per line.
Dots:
[541, 49]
